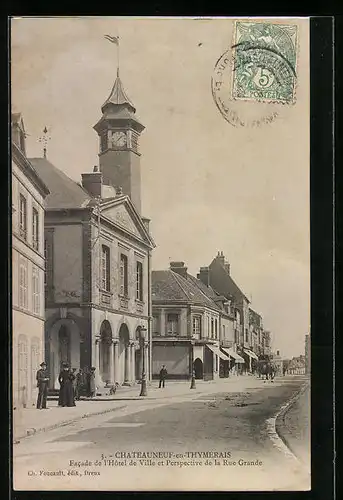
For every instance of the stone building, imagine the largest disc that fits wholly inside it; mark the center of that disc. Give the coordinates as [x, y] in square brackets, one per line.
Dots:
[186, 326]
[28, 194]
[98, 256]
[230, 326]
[220, 279]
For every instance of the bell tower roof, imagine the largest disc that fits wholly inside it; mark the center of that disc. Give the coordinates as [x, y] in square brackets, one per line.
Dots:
[118, 96]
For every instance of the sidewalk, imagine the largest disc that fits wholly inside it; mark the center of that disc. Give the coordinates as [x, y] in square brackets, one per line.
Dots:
[294, 427]
[29, 421]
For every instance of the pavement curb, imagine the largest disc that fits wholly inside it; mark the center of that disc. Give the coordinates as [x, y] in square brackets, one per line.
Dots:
[32, 430]
[280, 418]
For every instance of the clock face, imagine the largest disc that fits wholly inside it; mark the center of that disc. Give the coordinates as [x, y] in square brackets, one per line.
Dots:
[118, 139]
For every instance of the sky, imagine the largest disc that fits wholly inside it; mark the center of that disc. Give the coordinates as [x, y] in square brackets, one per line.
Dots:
[207, 186]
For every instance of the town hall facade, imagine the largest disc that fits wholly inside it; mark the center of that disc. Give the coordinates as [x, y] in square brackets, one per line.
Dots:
[98, 256]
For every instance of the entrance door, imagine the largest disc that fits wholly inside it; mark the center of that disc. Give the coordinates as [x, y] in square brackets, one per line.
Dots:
[199, 369]
[64, 345]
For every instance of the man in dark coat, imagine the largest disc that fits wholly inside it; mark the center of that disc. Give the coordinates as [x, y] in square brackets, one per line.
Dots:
[42, 384]
[163, 376]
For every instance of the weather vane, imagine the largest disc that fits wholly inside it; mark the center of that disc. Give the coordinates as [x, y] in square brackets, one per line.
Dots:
[44, 139]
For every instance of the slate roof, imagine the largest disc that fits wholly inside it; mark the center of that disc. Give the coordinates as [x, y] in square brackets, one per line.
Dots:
[118, 95]
[64, 192]
[168, 286]
[223, 282]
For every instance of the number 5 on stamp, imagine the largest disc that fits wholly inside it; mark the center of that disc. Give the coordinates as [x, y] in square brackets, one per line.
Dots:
[264, 66]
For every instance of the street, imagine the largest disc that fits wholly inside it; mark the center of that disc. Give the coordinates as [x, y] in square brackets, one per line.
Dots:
[175, 444]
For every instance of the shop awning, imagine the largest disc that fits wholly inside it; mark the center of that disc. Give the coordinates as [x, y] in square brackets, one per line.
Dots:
[251, 354]
[230, 352]
[216, 351]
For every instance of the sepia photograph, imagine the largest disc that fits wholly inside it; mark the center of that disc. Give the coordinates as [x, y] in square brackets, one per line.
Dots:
[160, 190]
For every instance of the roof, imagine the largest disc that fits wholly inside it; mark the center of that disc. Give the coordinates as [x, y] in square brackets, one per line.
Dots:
[118, 95]
[168, 286]
[29, 170]
[64, 192]
[222, 281]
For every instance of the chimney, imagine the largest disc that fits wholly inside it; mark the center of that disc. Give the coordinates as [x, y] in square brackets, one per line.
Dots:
[221, 258]
[92, 182]
[179, 268]
[204, 275]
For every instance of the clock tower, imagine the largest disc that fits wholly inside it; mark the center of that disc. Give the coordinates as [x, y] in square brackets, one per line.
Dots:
[119, 131]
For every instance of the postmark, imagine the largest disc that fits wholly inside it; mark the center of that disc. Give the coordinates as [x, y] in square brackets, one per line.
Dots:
[254, 81]
[264, 62]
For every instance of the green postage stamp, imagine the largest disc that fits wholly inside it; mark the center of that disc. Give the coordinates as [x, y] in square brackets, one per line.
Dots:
[265, 56]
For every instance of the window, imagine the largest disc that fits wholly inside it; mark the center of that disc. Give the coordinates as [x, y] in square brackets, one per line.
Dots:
[139, 281]
[173, 324]
[35, 229]
[155, 325]
[223, 331]
[212, 327]
[246, 335]
[215, 328]
[23, 369]
[35, 360]
[23, 283]
[46, 261]
[36, 290]
[197, 326]
[105, 268]
[22, 216]
[123, 275]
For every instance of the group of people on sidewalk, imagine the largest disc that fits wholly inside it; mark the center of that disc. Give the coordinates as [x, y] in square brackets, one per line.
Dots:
[72, 385]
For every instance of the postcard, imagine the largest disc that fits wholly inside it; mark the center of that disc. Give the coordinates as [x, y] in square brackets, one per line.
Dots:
[160, 254]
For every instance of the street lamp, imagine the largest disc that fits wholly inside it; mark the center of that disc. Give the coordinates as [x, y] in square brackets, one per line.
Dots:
[192, 368]
[143, 332]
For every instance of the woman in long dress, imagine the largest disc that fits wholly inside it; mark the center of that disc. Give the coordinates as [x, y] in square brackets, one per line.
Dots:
[92, 388]
[66, 395]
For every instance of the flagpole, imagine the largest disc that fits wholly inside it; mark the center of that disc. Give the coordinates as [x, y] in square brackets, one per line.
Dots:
[118, 58]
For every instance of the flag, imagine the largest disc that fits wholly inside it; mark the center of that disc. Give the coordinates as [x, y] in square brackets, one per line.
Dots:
[112, 39]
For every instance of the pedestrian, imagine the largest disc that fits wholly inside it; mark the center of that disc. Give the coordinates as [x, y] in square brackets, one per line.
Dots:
[73, 382]
[163, 376]
[92, 388]
[66, 395]
[42, 384]
[80, 383]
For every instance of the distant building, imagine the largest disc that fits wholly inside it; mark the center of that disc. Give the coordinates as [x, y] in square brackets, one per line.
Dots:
[277, 362]
[28, 194]
[307, 354]
[220, 279]
[297, 365]
[98, 254]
